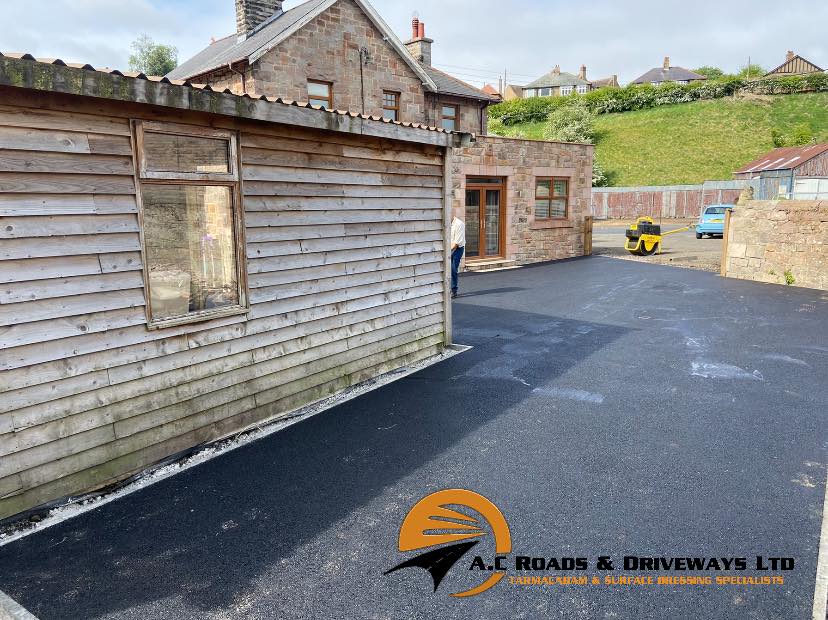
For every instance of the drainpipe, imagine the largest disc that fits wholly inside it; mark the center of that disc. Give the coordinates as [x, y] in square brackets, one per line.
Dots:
[241, 75]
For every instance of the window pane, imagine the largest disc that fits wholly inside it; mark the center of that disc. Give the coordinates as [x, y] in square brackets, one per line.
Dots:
[492, 222]
[561, 189]
[542, 189]
[390, 114]
[315, 89]
[542, 209]
[191, 251]
[449, 111]
[558, 208]
[472, 223]
[389, 100]
[449, 124]
[484, 181]
[165, 152]
[320, 102]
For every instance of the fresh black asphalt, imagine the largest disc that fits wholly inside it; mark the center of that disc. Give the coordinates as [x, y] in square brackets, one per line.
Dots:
[608, 408]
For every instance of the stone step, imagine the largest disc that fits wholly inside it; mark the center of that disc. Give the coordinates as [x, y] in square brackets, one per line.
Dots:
[496, 264]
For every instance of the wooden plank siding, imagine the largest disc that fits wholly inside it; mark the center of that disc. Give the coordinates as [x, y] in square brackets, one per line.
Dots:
[345, 243]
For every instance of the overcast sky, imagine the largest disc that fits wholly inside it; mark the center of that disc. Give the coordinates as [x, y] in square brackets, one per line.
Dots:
[474, 39]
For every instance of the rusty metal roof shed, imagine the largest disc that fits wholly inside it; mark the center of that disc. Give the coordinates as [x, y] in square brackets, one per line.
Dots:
[786, 158]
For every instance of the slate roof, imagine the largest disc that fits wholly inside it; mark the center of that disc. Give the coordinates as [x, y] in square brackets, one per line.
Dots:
[230, 49]
[275, 30]
[786, 158]
[553, 79]
[673, 74]
[450, 85]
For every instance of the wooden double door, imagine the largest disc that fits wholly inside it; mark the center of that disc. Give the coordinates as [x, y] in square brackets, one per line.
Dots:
[485, 217]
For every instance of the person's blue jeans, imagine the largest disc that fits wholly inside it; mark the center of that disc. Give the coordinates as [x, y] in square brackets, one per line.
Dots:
[456, 257]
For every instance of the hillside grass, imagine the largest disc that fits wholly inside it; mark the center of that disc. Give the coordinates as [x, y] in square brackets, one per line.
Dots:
[690, 143]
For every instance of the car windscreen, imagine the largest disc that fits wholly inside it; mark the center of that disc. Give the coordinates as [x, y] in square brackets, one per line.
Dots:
[715, 211]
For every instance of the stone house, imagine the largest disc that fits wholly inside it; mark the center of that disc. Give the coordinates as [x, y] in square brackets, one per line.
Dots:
[559, 83]
[523, 201]
[668, 73]
[338, 54]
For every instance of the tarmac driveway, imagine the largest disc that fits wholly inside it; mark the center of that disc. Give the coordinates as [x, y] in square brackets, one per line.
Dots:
[608, 408]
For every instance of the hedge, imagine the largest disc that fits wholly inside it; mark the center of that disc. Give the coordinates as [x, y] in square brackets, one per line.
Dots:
[641, 97]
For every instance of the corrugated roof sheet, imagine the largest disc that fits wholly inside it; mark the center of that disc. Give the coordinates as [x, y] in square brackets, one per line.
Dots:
[673, 74]
[785, 158]
[205, 87]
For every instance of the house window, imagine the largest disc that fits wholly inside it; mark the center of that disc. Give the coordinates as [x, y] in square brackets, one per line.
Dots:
[582, 89]
[188, 189]
[683, 82]
[546, 92]
[656, 83]
[448, 117]
[551, 198]
[566, 90]
[391, 105]
[320, 93]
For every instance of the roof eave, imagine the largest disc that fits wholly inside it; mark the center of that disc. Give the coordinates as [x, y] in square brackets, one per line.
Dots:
[28, 74]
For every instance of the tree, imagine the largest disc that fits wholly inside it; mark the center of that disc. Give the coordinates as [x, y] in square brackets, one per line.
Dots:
[711, 73]
[152, 58]
[751, 71]
[575, 123]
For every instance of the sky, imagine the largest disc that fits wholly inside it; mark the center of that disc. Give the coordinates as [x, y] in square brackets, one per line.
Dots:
[476, 40]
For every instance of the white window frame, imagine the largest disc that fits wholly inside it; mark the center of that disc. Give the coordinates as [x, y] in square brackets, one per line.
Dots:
[566, 91]
[582, 89]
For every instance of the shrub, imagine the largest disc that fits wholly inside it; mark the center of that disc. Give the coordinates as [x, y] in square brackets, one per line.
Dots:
[572, 123]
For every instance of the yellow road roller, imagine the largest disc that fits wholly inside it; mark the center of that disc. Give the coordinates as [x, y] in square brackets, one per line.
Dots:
[644, 237]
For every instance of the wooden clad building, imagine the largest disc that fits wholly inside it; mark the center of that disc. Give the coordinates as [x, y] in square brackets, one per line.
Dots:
[178, 264]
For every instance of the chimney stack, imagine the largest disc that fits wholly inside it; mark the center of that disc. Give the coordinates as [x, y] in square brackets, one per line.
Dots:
[250, 14]
[666, 62]
[419, 45]
[556, 70]
[582, 72]
[790, 56]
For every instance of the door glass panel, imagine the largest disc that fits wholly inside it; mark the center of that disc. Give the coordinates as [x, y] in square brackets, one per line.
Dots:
[472, 223]
[492, 222]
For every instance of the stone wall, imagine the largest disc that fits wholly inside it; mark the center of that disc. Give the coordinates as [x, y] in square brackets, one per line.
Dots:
[519, 163]
[327, 49]
[668, 201]
[777, 241]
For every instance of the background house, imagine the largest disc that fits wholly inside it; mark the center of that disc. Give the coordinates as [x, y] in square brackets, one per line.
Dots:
[512, 91]
[794, 65]
[668, 73]
[791, 172]
[339, 54]
[558, 83]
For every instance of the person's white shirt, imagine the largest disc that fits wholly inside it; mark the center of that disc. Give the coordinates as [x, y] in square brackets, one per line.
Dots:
[458, 233]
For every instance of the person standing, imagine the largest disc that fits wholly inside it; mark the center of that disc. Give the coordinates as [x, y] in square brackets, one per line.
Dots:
[458, 248]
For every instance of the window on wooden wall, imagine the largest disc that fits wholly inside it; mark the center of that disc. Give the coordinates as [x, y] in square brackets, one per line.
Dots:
[320, 93]
[191, 225]
[551, 198]
[448, 117]
[391, 105]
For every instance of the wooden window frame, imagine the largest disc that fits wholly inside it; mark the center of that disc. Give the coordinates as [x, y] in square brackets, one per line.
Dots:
[552, 197]
[231, 179]
[454, 118]
[396, 109]
[329, 98]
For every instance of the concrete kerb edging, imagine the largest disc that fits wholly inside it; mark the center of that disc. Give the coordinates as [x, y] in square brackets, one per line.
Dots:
[11, 610]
